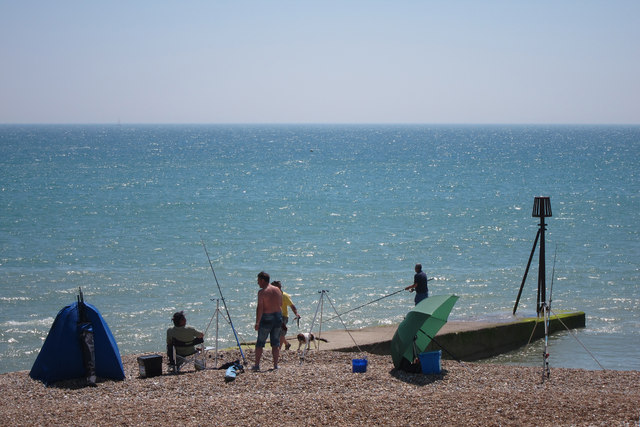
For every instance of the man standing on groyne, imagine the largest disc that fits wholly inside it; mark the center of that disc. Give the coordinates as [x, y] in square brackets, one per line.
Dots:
[419, 285]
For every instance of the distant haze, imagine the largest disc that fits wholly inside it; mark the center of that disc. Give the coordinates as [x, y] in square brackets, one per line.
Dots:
[320, 62]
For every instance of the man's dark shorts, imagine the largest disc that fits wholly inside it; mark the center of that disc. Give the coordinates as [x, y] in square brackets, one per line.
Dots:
[270, 325]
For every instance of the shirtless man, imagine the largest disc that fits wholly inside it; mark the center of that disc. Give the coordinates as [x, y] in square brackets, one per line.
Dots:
[268, 319]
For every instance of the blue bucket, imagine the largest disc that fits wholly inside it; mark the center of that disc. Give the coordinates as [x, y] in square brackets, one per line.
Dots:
[430, 362]
[359, 365]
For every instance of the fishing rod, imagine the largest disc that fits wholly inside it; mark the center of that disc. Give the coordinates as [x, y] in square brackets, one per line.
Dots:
[448, 352]
[563, 324]
[224, 303]
[553, 273]
[376, 300]
[371, 302]
[580, 342]
[547, 318]
[345, 326]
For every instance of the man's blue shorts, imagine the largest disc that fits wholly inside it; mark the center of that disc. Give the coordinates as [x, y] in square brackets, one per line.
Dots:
[270, 324]
[420, 296]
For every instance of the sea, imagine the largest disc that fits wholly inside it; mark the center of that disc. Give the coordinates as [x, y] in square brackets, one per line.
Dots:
[147, 220]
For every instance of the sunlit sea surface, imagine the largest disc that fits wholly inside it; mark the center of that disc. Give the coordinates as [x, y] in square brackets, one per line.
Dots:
[121, 211]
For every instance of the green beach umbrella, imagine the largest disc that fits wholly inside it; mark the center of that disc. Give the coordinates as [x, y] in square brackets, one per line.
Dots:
[419, 326]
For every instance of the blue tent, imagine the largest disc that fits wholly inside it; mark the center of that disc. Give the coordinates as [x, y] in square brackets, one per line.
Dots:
[61, 356]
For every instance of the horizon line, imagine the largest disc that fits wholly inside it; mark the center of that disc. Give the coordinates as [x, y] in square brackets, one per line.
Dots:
[118, 123]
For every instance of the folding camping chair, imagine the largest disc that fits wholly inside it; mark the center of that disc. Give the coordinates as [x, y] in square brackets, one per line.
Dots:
[190, 354]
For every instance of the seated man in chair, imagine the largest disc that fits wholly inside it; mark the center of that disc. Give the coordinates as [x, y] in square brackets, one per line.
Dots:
[183, 339]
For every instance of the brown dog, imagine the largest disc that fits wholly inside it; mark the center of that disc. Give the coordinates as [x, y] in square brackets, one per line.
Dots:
[306, 338]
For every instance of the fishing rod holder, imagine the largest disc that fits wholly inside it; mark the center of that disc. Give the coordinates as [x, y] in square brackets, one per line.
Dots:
[319, 309]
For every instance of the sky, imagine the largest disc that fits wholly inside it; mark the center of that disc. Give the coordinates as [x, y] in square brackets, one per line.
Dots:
[396, 61]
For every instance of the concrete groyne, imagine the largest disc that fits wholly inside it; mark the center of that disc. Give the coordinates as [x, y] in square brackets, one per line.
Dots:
[466, 340]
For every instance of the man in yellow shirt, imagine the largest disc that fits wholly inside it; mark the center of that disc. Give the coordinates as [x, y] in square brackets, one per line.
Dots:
[286, 303]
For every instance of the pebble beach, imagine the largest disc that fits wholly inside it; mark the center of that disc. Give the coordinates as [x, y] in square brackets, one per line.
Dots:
[323, 391]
